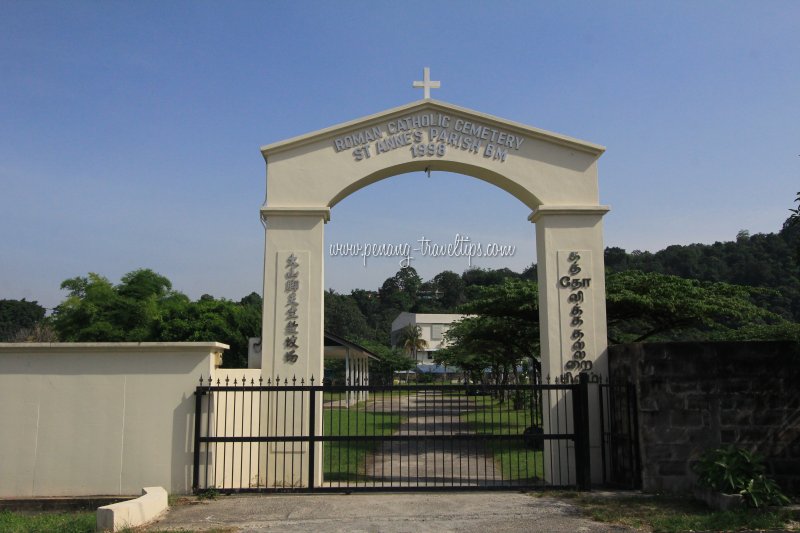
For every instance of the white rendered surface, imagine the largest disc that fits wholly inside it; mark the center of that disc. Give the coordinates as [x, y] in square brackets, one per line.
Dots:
[99, 418]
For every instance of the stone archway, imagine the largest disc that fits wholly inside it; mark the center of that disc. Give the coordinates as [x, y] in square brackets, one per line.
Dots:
[554, 175]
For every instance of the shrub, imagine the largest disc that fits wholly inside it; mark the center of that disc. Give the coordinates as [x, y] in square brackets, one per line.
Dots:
[733, 470]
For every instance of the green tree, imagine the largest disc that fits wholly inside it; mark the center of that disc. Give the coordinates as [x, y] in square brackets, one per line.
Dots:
[97, 310]
[344, 318]
[769, 260]
[484, 277]
[501, 332]
[143, 307]
[390, 360]
[210, 319]
[642, 306]
[40, 332]
[400, 292]
[93, 312]
[253, 300]
[411, 340]
[17, 315]
[530, 273]
[451, 290]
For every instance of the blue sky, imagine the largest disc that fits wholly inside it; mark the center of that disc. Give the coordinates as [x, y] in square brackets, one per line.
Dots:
[130, 131]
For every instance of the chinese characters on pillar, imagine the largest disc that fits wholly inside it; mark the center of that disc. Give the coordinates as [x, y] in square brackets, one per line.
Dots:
[291, 286]
[575, 301]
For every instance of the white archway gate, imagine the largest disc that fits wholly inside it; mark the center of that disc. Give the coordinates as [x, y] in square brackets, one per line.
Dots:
[554, 175]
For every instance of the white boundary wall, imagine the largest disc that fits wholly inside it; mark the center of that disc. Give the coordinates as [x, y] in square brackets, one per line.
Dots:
[99, 418]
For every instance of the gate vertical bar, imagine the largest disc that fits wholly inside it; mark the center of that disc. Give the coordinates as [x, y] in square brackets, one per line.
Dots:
[636, 460]
[580, 406]
[198, 406]
[312, 420]
[602, 429]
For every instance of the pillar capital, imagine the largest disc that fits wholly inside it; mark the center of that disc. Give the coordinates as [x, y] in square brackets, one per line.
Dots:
[547, 210]
[296, 211]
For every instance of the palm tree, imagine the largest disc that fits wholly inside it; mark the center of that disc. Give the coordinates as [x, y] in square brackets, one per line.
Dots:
[411, 340]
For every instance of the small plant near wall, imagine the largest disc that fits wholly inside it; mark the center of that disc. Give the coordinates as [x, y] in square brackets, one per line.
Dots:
[732, 470]
[207, 494]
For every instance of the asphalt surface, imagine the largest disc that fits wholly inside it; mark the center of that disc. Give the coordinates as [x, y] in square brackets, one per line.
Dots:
[473, 512]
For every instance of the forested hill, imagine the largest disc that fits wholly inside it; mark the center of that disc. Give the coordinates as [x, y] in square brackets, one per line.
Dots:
[769, 260]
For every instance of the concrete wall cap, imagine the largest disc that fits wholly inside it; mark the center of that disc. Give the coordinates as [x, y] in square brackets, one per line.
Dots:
[154, 347]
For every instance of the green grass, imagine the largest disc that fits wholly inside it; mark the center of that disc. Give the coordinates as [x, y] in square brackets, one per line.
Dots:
[79, 522]
[516, 460]
[373, 396]
[662, 514]
[390, 394]
[346, 460]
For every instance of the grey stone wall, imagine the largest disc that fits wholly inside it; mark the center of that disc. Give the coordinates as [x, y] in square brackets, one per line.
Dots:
[695, 396]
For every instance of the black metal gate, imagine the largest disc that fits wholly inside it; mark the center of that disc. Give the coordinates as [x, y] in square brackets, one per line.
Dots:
[273, 435]
[620, 435]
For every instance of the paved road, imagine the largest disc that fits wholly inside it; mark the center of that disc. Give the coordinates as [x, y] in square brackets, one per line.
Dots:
[478, 512]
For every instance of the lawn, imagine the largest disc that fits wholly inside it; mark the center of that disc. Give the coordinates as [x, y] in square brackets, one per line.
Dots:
[490, 416]
[663, 514]
[343, 461]
[79, 522]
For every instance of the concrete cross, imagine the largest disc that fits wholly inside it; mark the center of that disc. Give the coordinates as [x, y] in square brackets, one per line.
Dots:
[426, 84]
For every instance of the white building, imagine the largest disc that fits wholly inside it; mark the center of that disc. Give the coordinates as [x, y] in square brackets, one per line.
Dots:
[432, 327]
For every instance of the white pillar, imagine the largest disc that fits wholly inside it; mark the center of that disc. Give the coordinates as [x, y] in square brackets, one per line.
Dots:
[362, 376]
[572, 315]
[358, 377]
[292, 333]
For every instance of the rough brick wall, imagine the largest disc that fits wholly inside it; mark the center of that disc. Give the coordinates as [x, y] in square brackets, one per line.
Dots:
[695, 396]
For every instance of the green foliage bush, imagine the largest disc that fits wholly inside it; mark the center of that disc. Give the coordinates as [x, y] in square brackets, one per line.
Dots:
[733, 470]
[143, 307]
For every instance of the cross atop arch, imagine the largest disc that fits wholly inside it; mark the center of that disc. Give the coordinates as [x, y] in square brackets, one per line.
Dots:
[426, 84]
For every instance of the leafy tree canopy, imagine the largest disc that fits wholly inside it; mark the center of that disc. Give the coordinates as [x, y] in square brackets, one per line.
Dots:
[770, 260]
[344, 318]
[143, 307]
[502, 329]
[389, 361]
[411, 340]
[16, 315]
[643, 306]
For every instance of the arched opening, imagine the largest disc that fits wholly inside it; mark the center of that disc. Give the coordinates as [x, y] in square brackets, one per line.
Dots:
[405, 208]
[523, 194]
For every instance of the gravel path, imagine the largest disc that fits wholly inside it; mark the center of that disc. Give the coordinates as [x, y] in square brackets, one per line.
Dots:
[436, 459]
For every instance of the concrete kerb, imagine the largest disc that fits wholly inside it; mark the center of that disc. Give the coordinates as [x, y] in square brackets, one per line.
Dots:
[133, 513]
